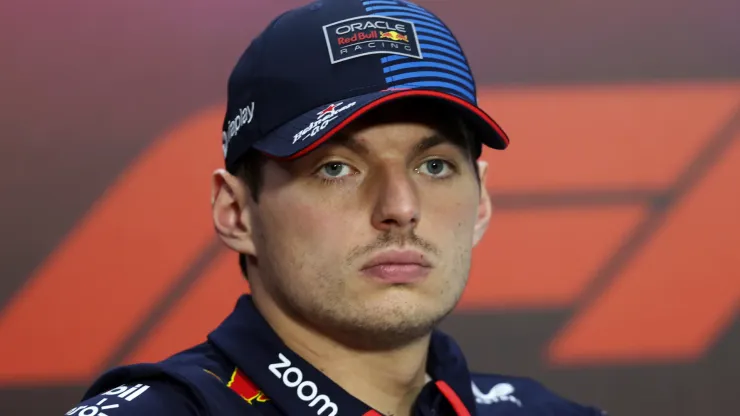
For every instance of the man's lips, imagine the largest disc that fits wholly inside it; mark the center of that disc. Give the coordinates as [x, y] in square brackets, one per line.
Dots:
[398, 266]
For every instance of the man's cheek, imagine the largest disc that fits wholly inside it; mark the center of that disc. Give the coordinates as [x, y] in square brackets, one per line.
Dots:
[295, 217]
[446, 226]
[313, 222]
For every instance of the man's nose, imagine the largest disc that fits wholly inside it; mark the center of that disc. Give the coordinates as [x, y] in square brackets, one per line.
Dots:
[397, 202]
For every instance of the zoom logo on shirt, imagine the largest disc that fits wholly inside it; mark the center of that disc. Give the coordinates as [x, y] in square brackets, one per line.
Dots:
[307, 390]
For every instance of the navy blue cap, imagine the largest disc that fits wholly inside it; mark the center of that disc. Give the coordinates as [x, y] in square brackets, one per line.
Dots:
[316, 68]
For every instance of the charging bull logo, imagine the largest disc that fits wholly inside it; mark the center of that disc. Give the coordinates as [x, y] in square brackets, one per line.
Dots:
[245, 388]
[393, 35]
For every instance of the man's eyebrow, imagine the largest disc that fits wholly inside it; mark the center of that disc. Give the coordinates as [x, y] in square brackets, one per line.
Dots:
[432, 141]
[345, 140]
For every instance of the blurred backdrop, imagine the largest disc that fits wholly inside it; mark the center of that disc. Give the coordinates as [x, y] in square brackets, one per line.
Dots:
[611, 270]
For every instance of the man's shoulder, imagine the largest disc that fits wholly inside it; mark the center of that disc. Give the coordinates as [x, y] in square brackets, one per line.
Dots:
[143, 397]
[184, 384]
[522, 396]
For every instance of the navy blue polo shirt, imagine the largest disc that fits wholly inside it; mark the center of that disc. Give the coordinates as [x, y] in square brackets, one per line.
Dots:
[244, 368]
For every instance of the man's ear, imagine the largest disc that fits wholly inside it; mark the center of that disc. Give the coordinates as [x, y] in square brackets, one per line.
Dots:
[230, 203]
[484, 205]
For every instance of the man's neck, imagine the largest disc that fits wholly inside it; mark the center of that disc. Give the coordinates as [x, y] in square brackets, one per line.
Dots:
[387, 380]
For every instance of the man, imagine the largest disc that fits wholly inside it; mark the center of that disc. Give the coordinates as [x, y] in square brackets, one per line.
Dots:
[354, 195]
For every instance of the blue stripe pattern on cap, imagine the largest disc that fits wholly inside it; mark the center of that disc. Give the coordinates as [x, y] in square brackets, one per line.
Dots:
[394, 3]
[443, 67]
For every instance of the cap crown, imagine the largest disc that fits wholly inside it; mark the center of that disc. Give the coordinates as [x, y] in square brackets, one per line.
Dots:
[330, 50]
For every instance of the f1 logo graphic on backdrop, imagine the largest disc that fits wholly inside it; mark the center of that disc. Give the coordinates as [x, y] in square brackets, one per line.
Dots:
[641, 338]
[123, 392]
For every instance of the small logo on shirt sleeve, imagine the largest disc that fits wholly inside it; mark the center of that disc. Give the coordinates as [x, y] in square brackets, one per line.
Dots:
[98, 409]
[102, 406]
[126, 392]
[500, 393]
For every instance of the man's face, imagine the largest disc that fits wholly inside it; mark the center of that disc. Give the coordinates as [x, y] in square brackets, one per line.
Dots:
[371, 233]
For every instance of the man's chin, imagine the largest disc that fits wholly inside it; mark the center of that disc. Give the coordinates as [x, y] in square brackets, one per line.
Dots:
[415, 298]
[382, 335]
[390, 319]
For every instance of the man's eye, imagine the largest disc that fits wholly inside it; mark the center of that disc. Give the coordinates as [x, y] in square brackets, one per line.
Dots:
[437, 168]
[335, 170]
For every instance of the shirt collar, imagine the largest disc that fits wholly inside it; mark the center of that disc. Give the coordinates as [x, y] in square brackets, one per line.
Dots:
[299, 388]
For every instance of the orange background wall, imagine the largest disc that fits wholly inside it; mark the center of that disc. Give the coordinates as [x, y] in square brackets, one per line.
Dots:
[611, 270]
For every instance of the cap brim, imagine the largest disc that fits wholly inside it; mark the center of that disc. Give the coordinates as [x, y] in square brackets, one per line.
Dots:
[295, 139]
